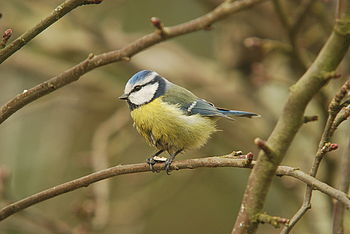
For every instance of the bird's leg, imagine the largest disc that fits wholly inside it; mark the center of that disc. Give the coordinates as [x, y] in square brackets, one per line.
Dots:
[150, 161]
[170, 160]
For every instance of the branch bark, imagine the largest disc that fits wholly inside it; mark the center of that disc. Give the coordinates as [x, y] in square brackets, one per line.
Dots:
[123, 54]
[60, 11]
[289, 123]
[210, 162]
[323, 148]
[344, 182]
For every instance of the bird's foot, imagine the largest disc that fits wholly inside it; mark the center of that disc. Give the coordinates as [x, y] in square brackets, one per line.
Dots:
[167, 165]
[153, 160]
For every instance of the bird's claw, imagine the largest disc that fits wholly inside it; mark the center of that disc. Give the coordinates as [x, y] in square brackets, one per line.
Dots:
[167, 166]
[151, 162]
[155, 159]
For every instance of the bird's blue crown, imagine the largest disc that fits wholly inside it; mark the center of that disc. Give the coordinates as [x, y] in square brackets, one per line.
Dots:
[139, 76]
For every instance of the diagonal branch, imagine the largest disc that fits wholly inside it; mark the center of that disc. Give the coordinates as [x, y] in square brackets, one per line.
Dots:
[289, 123]
[123, 54]
[323, 148]
[60, 11]
[211, 162]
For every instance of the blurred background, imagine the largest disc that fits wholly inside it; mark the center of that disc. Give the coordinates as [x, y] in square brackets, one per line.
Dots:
[246, 62]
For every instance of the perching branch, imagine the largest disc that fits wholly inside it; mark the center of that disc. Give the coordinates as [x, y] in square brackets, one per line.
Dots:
[289, 123]
[54, 16]
[218, 161]
[125, 53]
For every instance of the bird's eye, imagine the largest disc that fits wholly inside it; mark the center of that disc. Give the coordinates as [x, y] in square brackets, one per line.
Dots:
[137, 87]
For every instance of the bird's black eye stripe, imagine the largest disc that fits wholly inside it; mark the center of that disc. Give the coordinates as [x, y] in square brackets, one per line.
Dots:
[137, 88]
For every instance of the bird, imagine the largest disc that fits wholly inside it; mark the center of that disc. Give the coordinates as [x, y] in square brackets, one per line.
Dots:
[170, 117]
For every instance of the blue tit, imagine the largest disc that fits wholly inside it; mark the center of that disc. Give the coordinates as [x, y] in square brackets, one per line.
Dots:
[170, 117]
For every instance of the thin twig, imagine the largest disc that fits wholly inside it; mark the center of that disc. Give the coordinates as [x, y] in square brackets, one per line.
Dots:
[92, 62]
[288, 124]
[344, 181]
[312, 118]
[54, 16]
[323, 148]
[275, 221]
[211, 162]
[292, 28]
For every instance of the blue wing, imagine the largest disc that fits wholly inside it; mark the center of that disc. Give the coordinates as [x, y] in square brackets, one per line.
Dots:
[205, 108]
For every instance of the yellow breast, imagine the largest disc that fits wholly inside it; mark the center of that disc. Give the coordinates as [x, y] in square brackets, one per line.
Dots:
[167, 128]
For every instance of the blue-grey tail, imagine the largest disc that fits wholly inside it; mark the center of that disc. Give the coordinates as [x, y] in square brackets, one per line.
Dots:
[239, 113]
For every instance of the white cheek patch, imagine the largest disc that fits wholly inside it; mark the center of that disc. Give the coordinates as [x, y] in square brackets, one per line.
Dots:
[144, 95]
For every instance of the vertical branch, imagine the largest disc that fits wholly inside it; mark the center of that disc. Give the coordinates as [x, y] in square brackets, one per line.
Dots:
[344, 181]
[99, 162]
[288, 124]
[292, 28]
[324, 147]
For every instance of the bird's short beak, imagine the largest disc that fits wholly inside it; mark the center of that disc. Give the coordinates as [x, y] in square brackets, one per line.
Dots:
[123, 97]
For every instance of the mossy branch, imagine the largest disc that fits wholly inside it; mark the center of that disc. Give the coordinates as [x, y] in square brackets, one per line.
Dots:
[289, 123]
[275, 221]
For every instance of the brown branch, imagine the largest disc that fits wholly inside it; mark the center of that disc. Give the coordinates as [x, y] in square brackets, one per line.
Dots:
[292, 28]
[54, 16]
[341, 118]
[344, 182]
[264, 147]
[211, 162]
[323, 148]
[312, 118]
[290, 121]
[157, 23]
[99, 161]
[92, 62]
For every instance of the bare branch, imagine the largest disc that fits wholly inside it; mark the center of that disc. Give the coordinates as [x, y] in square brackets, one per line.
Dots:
[92, 62]
[159, 26]
[264, 147]
[312, 118]
[324, 147]
[54, 16]
[211, 162]
[288, 125]
[292, 28]
[344, 181]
